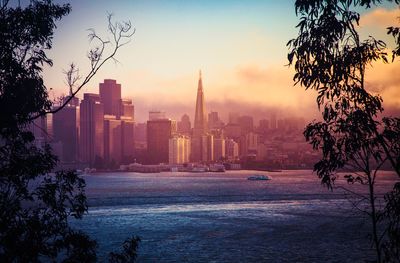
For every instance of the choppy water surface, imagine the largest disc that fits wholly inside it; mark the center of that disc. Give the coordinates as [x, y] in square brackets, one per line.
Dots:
[223, 217]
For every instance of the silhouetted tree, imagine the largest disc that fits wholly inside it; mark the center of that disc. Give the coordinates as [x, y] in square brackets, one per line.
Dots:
[330, 57]
[128, 253]
[35, 203]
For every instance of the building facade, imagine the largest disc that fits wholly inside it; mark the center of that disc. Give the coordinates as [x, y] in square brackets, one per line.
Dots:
[158, 134]
[91, 128]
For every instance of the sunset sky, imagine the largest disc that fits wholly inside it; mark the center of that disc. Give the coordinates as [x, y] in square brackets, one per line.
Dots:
[240, 46]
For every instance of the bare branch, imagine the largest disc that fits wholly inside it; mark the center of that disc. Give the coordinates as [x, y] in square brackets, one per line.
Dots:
[121, 33]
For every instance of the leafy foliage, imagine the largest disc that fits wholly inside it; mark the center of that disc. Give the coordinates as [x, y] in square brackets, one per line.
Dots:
[128, 253]
[330, 57]
[35, 203]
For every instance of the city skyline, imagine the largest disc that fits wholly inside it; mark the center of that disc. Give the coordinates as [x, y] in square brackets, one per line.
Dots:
[100, 132]
[240, 48]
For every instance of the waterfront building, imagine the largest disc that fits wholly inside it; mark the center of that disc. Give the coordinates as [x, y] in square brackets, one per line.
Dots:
[127, 139]
[140, 135]
[65, 126]
[91, 128]
[110, 94]
[179, 149]
[232, 149]
[39, 130]
[112, 139]
[158, 134]
[202, 142]
[219, 149]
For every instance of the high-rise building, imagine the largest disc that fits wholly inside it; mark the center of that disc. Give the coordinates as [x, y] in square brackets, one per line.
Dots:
[200, 116]
[127, 139]
[39, 129]
[156, 115]
[184, 125]
[252, 142]
[231, 149]
[141, 135]
[127, 109]
[91, 128]
[110, 94]
[179, 149]
[219, 149]
[207, 148]
[158, 134]
[202, 142]
[112, 139]
[66, 131]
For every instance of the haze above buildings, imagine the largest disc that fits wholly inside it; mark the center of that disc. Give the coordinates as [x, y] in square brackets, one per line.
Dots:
[239, 45]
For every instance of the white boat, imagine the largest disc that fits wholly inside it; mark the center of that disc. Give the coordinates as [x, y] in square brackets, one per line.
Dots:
[259, 177]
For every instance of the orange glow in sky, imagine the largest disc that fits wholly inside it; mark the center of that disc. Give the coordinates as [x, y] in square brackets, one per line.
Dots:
[240, 48]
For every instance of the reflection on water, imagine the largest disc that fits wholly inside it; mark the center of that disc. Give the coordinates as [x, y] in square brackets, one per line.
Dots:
[183, 217]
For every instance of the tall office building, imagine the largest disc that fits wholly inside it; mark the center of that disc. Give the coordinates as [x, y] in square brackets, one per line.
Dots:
[127, 139]
[39, 129]
[200, 117]
[231, 149]
[140, 138]
[179, 149]
[110, 94]
[66, 131]
[92, 128]
[156, 115]
[219, 149]
[158, 134]
[112, 139]
[202, 142]
[184, 125]
[127, 109]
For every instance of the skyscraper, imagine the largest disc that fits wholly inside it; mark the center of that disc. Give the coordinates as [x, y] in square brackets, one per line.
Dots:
[200, 117]
[202, 143]
[127, 139]
[179, 149]
[92, 128]
[66, 131]
[158, 134]
[127, 109]
[110, 94]
[112, 139]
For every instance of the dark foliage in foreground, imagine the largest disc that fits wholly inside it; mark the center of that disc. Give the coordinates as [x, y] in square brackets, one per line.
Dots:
[330, 57]
[35, 203]
[128, 253]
